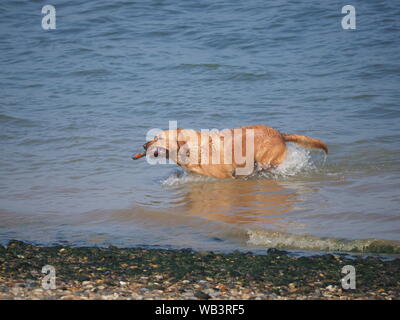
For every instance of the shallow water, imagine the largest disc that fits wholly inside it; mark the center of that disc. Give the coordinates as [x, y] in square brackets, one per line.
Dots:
[77, 102]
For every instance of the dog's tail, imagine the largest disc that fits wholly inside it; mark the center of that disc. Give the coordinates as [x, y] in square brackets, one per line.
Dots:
[306, 142]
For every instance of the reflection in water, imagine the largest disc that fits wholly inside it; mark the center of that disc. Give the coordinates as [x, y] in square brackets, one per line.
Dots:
[239, 202]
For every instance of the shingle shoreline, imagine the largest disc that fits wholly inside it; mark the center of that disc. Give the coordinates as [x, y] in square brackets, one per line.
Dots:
[136, 273]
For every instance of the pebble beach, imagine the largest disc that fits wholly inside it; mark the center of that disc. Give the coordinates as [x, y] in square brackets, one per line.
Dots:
[92, 273]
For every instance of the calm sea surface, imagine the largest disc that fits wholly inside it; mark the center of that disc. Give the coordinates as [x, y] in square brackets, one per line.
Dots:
[77, 102]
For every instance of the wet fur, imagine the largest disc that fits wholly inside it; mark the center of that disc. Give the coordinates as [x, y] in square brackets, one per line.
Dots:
[269, 149]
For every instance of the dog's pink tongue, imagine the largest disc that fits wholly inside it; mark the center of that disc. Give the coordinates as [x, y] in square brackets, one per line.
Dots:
[139, 155]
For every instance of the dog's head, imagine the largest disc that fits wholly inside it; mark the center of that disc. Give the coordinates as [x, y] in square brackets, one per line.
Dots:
[166, 144]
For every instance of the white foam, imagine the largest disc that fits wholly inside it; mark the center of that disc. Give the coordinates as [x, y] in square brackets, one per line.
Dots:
[276, 239]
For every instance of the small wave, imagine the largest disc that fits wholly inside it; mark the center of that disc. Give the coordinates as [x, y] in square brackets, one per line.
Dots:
[91, 72]
[275, 239]
[5, 119]
[198, 66]
[249, 76]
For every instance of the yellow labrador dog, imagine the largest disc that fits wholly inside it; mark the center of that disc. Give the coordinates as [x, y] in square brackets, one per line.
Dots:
[227, 153]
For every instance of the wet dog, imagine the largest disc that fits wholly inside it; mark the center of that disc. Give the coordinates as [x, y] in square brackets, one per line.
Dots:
[228, 153]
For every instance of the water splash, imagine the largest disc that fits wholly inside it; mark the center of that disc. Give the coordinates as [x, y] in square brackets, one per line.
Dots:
[298, 160]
